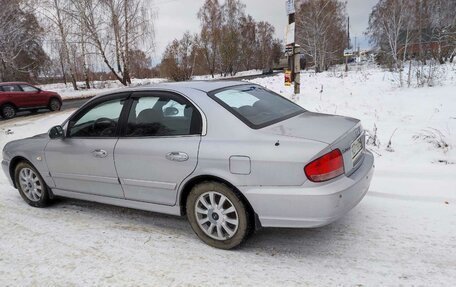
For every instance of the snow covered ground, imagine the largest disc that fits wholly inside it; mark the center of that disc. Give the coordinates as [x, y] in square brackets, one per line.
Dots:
[402, 234]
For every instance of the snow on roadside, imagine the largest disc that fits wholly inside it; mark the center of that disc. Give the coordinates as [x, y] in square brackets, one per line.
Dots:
[402, 233]
[218, 76]
[98, 87]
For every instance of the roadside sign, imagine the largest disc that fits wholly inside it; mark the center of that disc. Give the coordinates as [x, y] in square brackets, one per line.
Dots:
[289, 50]
[348, 52]
[290, 34]
[287, 78]
[290, 4]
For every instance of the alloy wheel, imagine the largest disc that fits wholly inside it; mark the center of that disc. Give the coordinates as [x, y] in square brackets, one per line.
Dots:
[30, 184]
[216, 215]
[8, 112]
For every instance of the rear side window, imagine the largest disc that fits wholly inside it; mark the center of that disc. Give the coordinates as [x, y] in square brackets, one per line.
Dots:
[256, 106]
[11, 88]
[163, 115]
[27, 88]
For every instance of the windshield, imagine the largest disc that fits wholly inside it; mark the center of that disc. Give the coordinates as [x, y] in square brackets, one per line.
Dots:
[256, 106]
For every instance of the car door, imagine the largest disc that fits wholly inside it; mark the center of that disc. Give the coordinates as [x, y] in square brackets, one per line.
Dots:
[83, 161]
[32, 96]
[158, 147]
[16, 95]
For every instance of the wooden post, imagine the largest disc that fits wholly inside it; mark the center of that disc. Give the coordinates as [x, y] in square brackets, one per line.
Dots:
[297, 69]
[295, 63]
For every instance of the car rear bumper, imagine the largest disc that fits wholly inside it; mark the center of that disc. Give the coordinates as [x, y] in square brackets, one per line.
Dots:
[311, 205]
[5, 167]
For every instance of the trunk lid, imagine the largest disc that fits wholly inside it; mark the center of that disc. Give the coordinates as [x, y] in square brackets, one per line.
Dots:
[337, 131]
[314, 126]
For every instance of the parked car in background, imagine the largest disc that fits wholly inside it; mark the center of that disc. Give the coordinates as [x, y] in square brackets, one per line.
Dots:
[232, 156]
[17, 96]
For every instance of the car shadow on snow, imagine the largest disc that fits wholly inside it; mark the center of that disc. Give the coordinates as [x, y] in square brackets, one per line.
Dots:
[25, 114]
[340, 235]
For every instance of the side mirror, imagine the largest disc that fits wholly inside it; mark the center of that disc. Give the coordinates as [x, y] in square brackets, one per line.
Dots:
[56, 132]
[171, 111]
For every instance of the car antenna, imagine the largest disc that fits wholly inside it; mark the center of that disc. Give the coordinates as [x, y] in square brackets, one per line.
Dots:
[277, 143]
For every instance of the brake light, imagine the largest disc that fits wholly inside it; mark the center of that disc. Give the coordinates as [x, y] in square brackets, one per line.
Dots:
[327, 167]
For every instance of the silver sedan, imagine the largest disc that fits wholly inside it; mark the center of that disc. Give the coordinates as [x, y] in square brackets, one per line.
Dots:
[231, 156]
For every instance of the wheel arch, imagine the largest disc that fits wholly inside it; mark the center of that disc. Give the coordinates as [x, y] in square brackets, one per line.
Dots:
[56, 98]
[8, 103]
[12, 166]
[188, 186]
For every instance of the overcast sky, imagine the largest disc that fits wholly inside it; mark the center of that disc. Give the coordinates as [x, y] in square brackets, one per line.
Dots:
[174, 17]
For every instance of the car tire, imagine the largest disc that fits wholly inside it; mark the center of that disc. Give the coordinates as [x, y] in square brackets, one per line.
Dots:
[223, 225]
[54, 105]
[8, 111]
[31, 185]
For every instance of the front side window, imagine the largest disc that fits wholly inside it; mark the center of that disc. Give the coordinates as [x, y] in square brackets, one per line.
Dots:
[99, 121]
[162, 115]
[27, 88]
[256, 106]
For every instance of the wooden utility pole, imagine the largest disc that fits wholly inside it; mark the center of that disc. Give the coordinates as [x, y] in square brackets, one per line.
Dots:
[295, 63]
[348, 44]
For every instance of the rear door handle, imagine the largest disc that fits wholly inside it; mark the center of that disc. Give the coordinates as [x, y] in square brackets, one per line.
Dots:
[99, 153]
[177, 156]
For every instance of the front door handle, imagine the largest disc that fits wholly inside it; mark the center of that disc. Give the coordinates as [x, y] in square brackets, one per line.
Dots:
[177, 156]
[99, 153]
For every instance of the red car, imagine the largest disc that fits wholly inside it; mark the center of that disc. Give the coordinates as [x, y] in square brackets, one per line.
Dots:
[16, 96]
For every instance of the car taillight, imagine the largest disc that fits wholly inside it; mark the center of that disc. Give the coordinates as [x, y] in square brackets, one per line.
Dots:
[327, 167]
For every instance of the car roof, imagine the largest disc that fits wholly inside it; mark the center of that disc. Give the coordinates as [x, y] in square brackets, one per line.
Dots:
[204, 86]
[13, 83]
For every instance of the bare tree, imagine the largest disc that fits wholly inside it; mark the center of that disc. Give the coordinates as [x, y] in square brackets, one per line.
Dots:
[443, 29]
[321, 31]
[178, 60]
[21, 52]
[264, 44]
[115, 28]
[57, 12]
[210, 16]
[232, 12]
[390, 27]
[247, 42]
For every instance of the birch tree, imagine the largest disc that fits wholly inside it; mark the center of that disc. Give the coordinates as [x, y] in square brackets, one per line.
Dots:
[321, 31]
[115, 28]
[57, 12]
[390, 25]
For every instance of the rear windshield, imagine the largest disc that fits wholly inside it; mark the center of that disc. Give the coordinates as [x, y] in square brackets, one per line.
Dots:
[256, 106]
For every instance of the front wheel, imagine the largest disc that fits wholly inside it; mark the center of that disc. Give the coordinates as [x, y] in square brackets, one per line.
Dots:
[31, 185]
[218, 215]
[8, 111]
[54, 105]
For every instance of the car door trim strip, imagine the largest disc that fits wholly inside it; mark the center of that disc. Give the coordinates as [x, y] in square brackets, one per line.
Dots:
[150, 184]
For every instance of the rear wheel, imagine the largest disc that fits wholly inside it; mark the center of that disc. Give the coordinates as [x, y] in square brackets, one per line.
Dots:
[54, 105]
[8, 111]
[217, 215]
[31, 185]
